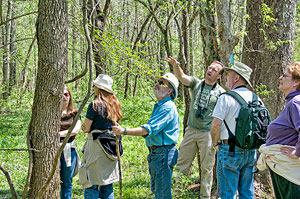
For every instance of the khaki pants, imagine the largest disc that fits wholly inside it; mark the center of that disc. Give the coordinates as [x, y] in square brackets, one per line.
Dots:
[194, 141]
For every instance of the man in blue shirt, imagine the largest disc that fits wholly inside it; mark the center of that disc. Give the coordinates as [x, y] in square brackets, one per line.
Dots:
[161, 134]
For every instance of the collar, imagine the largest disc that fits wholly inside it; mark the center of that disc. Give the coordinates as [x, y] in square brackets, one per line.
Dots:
[163, 101]
[242, 86]
[291, 95]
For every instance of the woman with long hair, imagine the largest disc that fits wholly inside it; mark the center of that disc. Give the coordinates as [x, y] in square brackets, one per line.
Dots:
[69, 158]
[99, 169]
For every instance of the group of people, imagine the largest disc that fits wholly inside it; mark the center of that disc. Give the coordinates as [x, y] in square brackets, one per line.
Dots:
[205, 134]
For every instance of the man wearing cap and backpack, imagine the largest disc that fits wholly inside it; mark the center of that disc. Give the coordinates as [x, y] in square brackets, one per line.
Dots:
[197, 138]
[236, 138]
[161, 134]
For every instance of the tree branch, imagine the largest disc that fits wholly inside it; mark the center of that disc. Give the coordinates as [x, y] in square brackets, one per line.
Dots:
[11, 186]
[4, 22]
[17, 41]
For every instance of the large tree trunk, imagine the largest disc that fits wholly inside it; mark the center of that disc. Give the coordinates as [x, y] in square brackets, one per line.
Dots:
[262, 54]
[52, 37]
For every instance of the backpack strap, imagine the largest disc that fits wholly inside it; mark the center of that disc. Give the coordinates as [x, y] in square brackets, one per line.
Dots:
[237, 97]
[231, 141]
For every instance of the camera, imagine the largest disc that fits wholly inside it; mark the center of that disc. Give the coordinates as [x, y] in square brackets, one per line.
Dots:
[200, 113]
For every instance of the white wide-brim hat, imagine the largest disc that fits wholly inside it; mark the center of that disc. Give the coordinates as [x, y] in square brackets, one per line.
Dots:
[104, 82]
[173, 81]
[241, 69]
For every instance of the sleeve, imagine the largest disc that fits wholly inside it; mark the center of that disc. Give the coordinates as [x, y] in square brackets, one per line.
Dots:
[159, 121]
[295, 119]
[91, 113]
[193, 83]
[221, 110]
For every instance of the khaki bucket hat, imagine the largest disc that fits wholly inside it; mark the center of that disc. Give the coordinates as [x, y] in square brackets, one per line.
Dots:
[241, 69]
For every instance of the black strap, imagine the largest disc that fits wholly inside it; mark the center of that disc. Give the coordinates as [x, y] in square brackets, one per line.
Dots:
[202, 87]
[231, 141]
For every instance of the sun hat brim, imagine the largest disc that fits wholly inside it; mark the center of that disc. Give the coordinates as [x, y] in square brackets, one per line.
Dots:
[243, 76]
[103, 87]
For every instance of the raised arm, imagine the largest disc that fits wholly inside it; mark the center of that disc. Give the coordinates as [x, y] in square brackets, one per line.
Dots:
[183, 78]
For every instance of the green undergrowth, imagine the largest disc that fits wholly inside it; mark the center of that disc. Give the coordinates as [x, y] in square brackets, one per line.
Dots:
[136, 180]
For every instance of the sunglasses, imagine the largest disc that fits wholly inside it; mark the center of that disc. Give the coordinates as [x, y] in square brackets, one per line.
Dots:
[160, 82]
[285, 75]
[67, 94]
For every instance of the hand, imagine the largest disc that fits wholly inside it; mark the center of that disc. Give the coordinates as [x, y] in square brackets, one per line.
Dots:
[289, 151]
[172, 61]
[118, 130]
[83, 127]
[216, 148]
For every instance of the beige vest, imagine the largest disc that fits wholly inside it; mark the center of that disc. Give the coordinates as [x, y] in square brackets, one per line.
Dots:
[96, 168]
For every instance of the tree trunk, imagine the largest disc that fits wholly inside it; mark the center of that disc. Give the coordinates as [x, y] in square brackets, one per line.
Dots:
[100, 17]
[265, 57]
[74, 65]
[13, 48]
[186, 68]
[227, 41]
[6, 54]
[208, 33]
[52, 37]
[261, 52]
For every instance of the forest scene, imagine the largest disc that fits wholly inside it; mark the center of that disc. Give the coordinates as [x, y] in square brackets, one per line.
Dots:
[47, 44]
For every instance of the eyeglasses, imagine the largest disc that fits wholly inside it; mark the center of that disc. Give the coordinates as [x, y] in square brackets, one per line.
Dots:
[213, 69]
[286, 75]
[160, 82]
[67, 94]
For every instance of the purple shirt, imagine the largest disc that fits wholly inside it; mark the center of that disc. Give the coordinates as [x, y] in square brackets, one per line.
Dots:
[285, 129]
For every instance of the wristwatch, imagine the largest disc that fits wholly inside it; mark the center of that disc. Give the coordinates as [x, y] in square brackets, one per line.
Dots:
[125, 132]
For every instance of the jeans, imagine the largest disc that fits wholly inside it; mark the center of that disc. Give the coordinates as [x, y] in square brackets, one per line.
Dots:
[66, 175]
[235, 173]
[283, 188]
[161, 163]
[102, 192]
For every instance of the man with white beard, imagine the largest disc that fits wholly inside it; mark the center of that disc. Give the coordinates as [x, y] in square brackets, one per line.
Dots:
[161, 134]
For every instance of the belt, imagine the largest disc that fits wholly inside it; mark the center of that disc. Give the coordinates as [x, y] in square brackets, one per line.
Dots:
[151, 148]
[223, 141]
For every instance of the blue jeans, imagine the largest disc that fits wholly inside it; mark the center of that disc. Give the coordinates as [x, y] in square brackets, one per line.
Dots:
[235, 173]
[102, 192]
[161, 163]
[66, 175]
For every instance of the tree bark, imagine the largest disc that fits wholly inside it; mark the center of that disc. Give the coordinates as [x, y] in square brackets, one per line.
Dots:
[186, 67]
[208, 33]
[265, 57]
[99, 16]
[12, 49]
[224, 30]
[6, 54]
[264, 52]
[52, 39]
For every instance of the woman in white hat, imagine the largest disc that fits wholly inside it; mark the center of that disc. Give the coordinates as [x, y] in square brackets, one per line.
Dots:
[99, 168]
